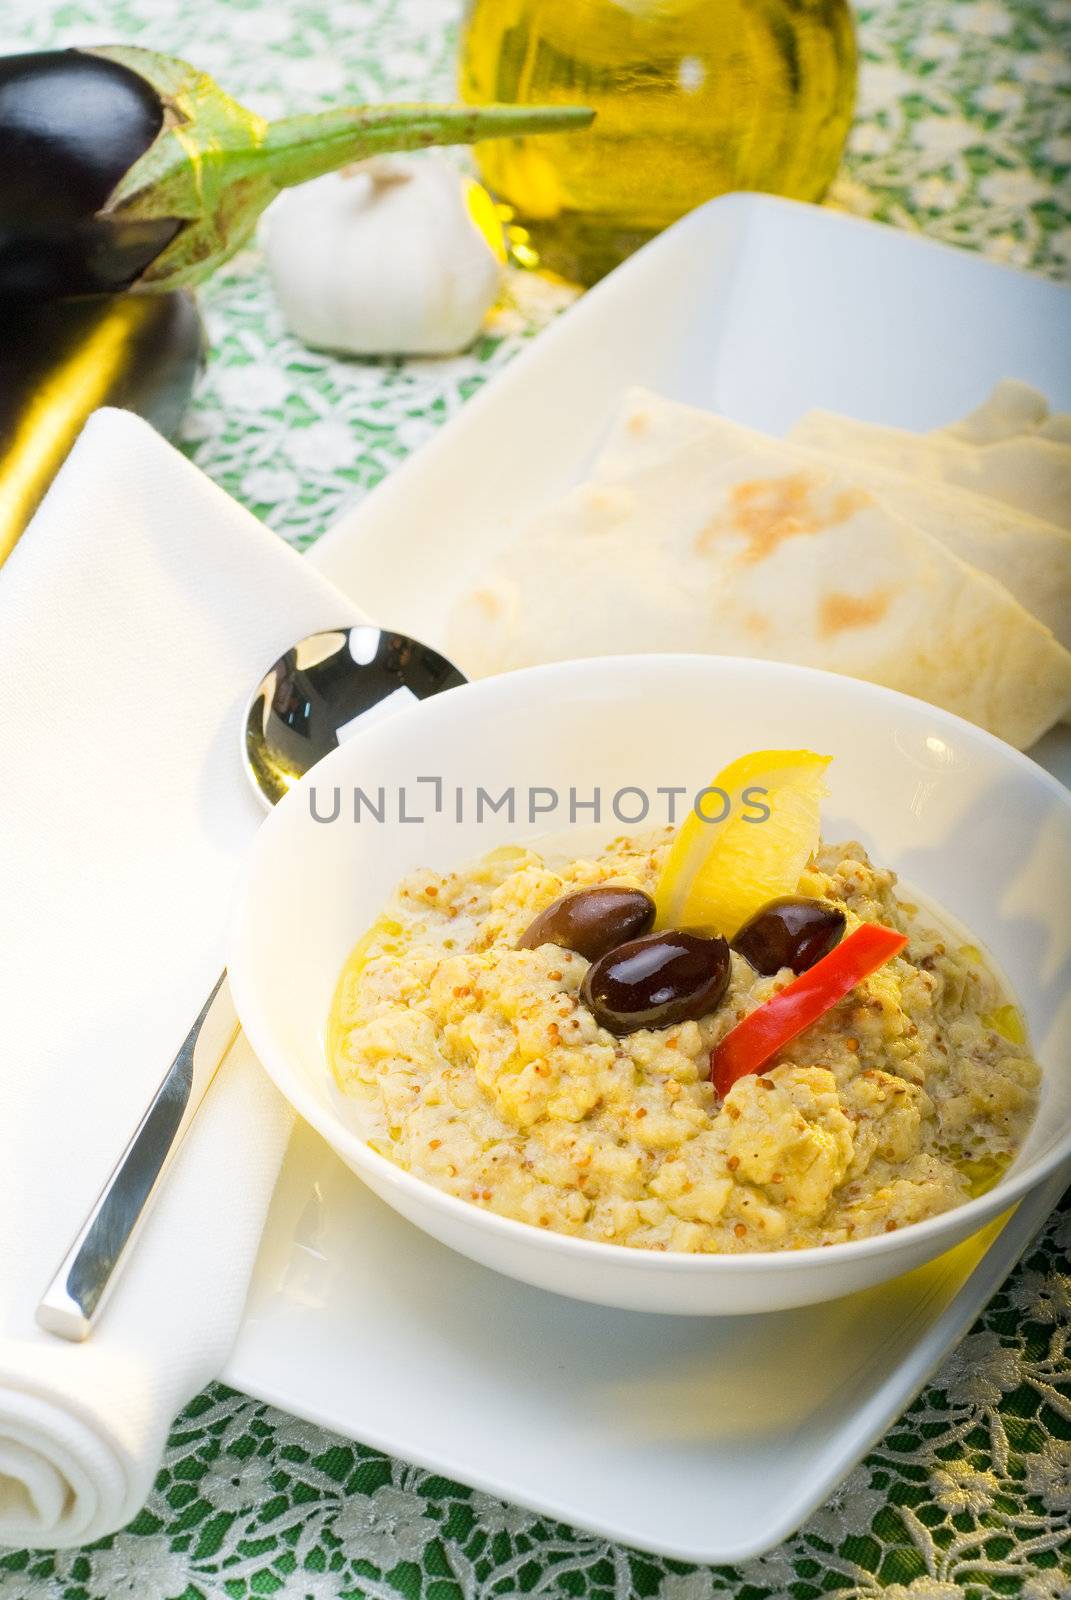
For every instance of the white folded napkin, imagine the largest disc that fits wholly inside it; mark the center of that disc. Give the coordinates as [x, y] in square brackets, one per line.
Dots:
[136, 615]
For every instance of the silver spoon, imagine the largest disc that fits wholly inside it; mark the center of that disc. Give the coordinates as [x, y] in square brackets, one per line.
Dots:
[309, 701]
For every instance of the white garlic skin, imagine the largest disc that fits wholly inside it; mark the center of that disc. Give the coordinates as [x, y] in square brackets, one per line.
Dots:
[383, 258]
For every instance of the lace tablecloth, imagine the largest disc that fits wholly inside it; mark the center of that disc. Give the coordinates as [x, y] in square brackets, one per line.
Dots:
[963, 131]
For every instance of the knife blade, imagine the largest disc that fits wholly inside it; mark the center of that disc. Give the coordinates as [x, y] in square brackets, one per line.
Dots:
[80, 1284]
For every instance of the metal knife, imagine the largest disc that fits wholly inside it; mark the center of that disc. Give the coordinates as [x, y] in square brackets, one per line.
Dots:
[78, 1290]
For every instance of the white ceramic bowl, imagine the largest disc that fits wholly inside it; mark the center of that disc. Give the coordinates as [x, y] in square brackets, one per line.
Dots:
[965, 819]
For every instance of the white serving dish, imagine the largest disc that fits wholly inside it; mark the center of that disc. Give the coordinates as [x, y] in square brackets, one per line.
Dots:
[969, 822]
[756, 307]
[705, 1438]
[762, 307]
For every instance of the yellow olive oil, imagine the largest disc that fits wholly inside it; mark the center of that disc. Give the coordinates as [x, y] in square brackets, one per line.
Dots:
[981, 1172]
[693, 98]
[987, 1171]
[1008, 1021]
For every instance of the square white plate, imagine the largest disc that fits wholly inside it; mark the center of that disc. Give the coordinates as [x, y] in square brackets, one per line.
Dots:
[706, 1440]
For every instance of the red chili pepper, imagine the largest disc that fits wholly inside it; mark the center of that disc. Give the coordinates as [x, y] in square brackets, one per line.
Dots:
[770, 1026]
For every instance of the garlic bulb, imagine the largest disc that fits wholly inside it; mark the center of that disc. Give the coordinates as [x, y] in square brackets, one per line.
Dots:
[388, 257]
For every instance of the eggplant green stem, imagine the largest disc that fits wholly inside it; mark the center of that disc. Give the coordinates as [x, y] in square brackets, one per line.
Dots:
[215, 165]
[296, 149]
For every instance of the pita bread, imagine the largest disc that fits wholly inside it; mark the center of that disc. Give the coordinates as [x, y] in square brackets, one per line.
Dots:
[1030, 557]
[1011, 408]
[1057, 426]
[744, 555]
[1026, 471]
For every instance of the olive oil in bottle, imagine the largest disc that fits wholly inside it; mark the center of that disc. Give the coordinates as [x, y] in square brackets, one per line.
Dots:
[694, 98]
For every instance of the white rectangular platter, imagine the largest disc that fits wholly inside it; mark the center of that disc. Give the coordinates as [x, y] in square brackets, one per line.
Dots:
[705, 1440]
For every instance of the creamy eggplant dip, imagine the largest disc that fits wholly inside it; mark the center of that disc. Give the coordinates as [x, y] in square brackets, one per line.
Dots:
[517, 1035]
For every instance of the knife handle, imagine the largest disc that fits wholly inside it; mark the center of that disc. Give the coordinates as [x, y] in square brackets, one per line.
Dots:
[91, 1266]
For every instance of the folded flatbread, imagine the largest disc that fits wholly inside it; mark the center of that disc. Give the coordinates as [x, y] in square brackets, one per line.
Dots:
[1030, 557]
[743, 554]
[1009, 409]
[1025, 470]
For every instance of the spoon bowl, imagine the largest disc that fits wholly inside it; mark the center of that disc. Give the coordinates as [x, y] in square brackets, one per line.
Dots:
[323, 688]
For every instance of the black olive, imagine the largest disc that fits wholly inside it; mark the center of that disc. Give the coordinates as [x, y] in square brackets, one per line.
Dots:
[791, 932]
[656, 981]
[591, 921]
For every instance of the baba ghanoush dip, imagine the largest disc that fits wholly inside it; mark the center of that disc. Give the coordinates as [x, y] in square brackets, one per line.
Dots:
[528, 1035]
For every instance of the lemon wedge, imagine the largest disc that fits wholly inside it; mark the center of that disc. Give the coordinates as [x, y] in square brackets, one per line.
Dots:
[718, 873]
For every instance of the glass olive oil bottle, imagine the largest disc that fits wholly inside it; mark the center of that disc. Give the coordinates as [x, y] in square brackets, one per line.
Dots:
[694, 98]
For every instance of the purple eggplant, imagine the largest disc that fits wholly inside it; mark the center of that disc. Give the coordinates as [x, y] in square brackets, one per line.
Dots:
[128, 169]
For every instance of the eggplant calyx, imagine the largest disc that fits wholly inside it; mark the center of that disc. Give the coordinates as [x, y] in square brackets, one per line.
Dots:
[203, 153]
[214, 165]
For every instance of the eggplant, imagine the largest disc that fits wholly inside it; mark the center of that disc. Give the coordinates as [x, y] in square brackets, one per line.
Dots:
[58, 362]
[71, 126]
[126, 169]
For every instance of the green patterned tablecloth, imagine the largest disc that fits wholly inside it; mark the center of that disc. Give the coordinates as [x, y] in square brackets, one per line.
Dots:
[964, 132]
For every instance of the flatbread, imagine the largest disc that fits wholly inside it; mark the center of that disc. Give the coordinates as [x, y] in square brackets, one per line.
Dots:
[1057, 427]
[1030, 557]
[1026, 471]
[1010, 407]
[734, 554]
